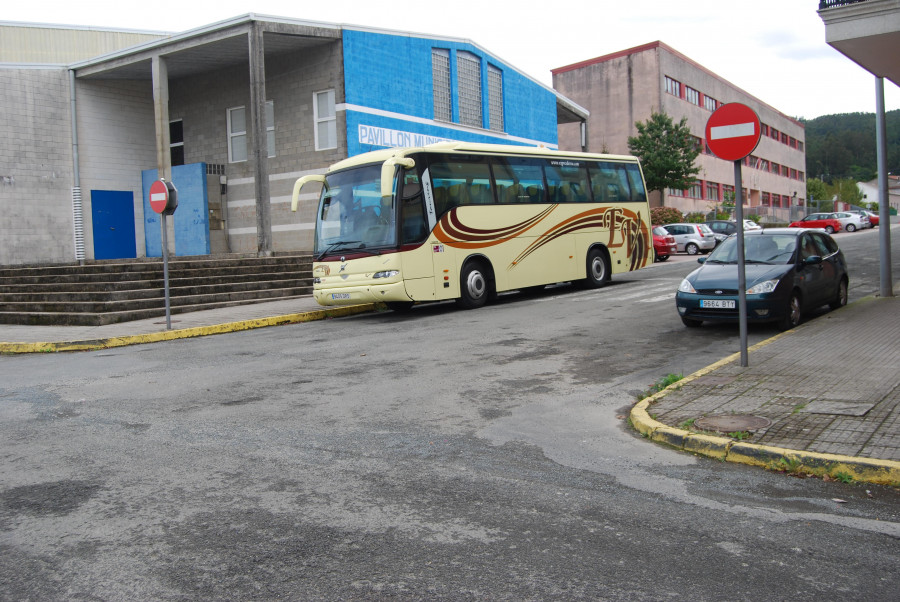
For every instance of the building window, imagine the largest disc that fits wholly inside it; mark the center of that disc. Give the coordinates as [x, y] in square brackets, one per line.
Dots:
[675, 192]
[711, 104]
[270, 128]
[695, 191]
[712, 191]
[325, 120]
[440, 83]
[176, 142]
[692, 96]
[495, 98]
[673, 87]
[468, 78]
[237, 132]
[766, 199]
[237, 135]
[764, 129]
[784, 138]
[774, 133]
[799, 145]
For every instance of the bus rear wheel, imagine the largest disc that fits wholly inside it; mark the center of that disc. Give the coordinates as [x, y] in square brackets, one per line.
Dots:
[597, 269]
[473, 286]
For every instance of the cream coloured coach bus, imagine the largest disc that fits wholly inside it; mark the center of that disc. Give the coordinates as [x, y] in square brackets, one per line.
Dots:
[467, 221]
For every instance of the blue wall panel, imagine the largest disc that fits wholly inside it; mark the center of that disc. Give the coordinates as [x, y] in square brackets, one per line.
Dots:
[392, 73]
[191, 218]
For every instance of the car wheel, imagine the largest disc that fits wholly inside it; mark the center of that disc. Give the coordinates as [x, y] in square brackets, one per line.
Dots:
[597, 269]
[841, 299]
[473, 286]
[662, 257]
[691, 323]
[691, 248]
[793, 315]
[829, 229]
[851, 228]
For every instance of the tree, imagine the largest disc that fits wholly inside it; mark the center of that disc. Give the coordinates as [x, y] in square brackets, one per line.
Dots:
[815, 189]
[667, 152]
[845, 190]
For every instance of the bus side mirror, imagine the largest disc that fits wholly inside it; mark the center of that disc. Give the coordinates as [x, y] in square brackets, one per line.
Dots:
[387, 173]
[300, 183]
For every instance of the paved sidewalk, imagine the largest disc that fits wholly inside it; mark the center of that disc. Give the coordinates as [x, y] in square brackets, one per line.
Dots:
[829, 388]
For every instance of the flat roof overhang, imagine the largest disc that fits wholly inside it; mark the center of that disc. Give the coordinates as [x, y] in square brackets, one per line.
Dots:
[210, 48]
[868, 33]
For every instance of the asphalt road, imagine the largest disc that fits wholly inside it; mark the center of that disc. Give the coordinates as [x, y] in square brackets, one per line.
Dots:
[441, 454]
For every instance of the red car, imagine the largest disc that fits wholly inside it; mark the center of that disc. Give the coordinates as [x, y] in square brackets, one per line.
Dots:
[826, 221]
[873, 218]
[663, 243]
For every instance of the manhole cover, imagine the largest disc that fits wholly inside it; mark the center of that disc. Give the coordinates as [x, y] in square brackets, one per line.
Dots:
[730, 423]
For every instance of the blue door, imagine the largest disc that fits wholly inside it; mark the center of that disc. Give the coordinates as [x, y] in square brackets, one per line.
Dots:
[113, 218]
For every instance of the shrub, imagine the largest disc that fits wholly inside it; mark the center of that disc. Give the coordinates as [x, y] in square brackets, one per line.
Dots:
[695, 218]
[665, 215]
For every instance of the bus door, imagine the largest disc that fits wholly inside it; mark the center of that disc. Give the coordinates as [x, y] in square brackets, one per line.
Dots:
[443, 258]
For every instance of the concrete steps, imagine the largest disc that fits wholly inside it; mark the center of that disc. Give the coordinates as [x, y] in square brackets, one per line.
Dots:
[106, 292]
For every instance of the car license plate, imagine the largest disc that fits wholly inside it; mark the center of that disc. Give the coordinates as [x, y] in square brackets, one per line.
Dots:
[340, 295]
[717, 303]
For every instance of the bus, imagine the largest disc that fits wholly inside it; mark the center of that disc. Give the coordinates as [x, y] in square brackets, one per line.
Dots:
[464, 222]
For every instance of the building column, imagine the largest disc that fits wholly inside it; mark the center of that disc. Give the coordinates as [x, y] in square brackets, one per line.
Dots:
[160, 72]
[259, 146]
[884, 198]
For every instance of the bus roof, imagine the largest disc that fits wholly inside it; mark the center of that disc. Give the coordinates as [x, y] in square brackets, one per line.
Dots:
[380, 156]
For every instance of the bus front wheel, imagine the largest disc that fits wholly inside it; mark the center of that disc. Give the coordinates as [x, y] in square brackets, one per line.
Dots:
[597, 269]
[473, 286]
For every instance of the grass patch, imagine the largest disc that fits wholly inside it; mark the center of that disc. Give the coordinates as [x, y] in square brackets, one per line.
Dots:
[666, 381]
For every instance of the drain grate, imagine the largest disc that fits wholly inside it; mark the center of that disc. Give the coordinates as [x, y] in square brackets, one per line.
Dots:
[729, 423]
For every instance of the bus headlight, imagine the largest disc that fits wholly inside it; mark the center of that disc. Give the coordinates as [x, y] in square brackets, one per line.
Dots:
[386, 274]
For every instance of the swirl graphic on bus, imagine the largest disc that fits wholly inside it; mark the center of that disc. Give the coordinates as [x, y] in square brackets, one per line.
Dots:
[624, 229]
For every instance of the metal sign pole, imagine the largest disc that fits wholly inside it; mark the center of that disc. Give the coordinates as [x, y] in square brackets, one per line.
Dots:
[742, 277]
[165, 254]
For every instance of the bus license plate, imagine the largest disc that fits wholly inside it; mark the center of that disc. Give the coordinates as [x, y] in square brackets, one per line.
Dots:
[717, 303]
[336, 296]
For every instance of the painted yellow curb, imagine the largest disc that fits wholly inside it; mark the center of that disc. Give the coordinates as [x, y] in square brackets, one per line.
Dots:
[184, 333]
[869, 470]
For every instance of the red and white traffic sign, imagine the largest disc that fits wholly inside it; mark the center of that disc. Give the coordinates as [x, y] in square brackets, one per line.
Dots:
[732, 131]
[159, 196]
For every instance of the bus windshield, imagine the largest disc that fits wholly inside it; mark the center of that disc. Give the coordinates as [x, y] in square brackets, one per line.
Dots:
[352, 213]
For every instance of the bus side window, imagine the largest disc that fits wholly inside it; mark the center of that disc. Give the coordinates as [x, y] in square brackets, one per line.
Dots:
[527, 177]
[567, 181]
[637, 183]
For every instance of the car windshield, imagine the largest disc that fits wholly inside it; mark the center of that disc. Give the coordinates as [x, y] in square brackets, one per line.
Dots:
[766, 248]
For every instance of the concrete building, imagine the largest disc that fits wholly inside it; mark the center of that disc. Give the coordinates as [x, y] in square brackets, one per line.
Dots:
[232, 113]
[625, 87]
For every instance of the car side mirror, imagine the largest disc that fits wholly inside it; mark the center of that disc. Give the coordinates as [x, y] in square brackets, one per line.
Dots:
[812, 260]
[701, 260]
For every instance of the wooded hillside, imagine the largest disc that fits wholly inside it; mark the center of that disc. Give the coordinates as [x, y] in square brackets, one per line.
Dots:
[843, 146]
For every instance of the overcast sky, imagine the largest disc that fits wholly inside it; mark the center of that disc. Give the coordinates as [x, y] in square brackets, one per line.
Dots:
[773, 49]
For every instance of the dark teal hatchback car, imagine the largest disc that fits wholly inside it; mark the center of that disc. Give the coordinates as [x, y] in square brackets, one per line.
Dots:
[788, 272]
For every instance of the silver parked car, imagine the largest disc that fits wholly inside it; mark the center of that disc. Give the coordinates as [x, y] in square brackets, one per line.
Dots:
[851, 222]
[864, 215]
[692, 238]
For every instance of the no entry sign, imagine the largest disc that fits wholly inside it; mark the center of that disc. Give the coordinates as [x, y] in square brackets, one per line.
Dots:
[163, 197]
[732, 131]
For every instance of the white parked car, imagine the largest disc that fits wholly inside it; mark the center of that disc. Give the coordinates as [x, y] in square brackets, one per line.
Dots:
[749, 224]
[851, 222]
